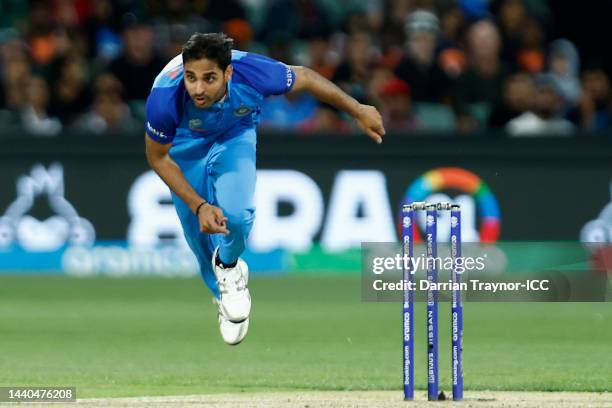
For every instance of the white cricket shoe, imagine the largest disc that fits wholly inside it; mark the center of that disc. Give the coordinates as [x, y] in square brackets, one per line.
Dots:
[235, 301]
[233, 333]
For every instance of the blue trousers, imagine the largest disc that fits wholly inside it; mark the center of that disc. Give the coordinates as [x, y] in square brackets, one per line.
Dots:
[223, 173]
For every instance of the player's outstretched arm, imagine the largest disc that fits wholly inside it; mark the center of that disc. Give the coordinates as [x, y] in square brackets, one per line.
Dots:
[211, 218]
[367, 117]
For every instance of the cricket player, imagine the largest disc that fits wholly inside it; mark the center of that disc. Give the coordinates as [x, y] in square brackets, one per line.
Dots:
[201, 119]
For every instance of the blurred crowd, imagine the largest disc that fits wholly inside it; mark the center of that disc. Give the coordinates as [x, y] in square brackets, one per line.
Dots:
[428, 65]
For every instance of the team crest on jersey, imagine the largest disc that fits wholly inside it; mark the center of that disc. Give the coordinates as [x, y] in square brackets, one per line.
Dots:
[242, 111]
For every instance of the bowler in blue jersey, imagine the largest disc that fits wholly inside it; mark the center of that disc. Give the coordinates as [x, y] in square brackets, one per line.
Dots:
[201, 119]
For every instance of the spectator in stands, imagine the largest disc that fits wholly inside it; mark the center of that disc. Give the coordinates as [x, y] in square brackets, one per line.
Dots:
[452, 58]
[396, 108]
[452, 24]
[544, 117]
[113, 115]
[293, 18]
[352, 75]
[564, 66]
[454, 62]
[357, 22]
[280, 49]
[178, 35]
[511, 17]
[176, 21]
[101, 31]
[39, 34]
[16, 72]
[474, 10]
[69, 13]
[48, 44]
[240, 30]
[109, 113]
[108, 84]
[594, 111]
[71, 92]
[518, 95]
[34, 116]
[375, 13]
[392, 37]
[399, 9]
[326, 120]
[138, 65]
[287, 112]
[297, 112]
[391, 46]
[320, 57]
[378, 79]
[419, 68]
[531, 53]
[479, 89]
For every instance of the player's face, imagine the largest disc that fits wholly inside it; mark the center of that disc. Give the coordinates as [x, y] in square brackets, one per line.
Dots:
[205, 81]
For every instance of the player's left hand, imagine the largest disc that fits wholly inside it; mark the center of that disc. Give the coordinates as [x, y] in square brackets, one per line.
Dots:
[369, 120]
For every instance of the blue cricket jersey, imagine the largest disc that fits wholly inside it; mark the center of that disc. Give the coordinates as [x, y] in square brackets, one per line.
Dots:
[170, 110]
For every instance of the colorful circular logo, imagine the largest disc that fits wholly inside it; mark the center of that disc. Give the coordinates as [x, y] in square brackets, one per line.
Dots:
[454, 178]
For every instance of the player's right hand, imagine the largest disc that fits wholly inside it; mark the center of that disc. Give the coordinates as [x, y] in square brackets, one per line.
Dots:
[369, 120]
[212, 220]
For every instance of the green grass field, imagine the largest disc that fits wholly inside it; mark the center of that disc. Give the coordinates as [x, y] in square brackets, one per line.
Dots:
[150, 336]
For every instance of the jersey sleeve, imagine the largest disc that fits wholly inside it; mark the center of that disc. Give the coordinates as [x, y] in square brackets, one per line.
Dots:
[161, 115]
[266, 75]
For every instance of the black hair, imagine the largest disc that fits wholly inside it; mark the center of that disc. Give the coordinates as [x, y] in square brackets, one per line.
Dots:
[212, 46]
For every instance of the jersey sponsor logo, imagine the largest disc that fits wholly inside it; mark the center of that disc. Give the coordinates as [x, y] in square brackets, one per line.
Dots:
[154, 131]
[194, 126]
[195, 123]
[242, 111]
[289, 77]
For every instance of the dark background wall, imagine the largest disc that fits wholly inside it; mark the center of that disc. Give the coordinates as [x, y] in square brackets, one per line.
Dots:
[547, 189]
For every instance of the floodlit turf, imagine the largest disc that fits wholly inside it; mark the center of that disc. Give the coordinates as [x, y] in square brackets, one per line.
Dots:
[149, 336]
